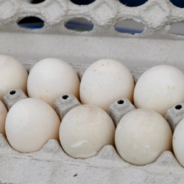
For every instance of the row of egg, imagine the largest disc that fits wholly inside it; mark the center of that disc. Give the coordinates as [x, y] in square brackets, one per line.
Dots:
[141, 136]
[105, 81]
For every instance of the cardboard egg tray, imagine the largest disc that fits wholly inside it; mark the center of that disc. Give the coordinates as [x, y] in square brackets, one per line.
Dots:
[138, 52]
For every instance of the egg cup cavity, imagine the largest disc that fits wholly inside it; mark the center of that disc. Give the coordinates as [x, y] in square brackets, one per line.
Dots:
[65, 103]
[13, 96]
[119, 108]
[175, 115]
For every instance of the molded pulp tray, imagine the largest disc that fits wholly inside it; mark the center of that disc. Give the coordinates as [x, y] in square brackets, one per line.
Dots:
[138, 52]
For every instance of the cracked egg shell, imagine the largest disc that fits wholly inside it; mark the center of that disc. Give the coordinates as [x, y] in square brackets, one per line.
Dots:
[85, 130]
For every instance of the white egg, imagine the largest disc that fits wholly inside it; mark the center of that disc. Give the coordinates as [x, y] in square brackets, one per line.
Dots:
[3, 114]
[141, 136]
[50, 78]
[30, 123]
[13, 75]
[159, 89]
[178, 140]
[104, 82]
[85, 130]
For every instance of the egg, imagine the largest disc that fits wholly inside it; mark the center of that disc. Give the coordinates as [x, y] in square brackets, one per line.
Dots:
[141, 136]
[159, 89]
[3, 114]
[178, 139]
[50, 78]
[104, 82]
[13, 75]
[85, 130]
[30, 123]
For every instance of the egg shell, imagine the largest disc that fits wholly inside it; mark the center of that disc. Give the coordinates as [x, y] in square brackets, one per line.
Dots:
[104, 82]
[141, 136]
[3, 114]
[159, 89]
[178, 140]
[85, 130]
[13, 75]
[50, 78]
[30, 123]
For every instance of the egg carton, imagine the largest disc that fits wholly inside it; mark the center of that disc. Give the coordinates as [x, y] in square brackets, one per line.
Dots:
[154, 46]
[52, 165]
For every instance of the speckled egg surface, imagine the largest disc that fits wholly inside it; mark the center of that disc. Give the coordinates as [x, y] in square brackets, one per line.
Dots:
[104, 82]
